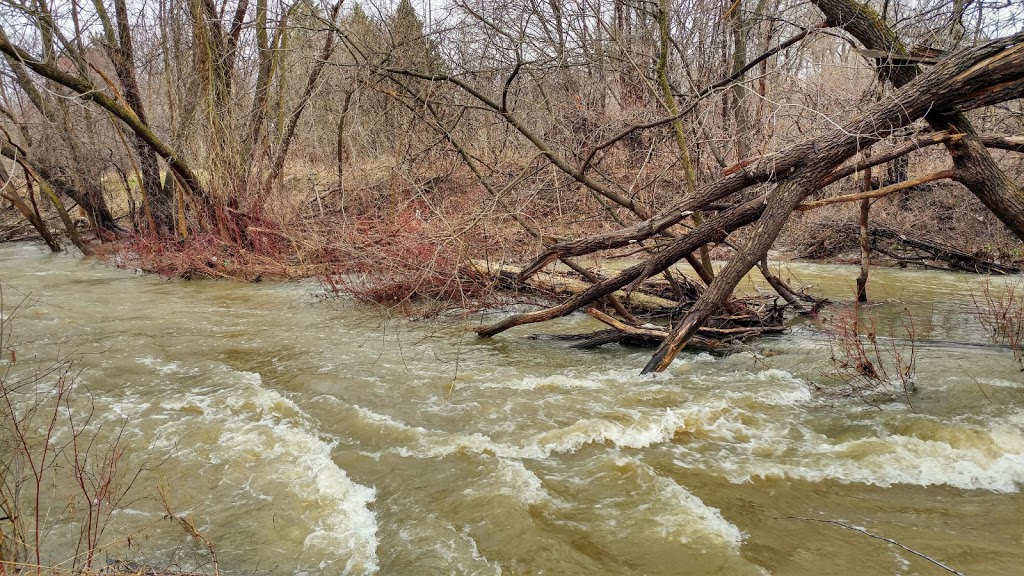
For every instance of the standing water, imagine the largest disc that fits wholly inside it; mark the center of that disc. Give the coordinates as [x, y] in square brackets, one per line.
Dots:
[305, 437]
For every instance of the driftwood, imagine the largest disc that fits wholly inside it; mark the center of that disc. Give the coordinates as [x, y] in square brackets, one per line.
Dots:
[907, 250]
[719, 341]
[630, 335]
[558, 284]
[653, 300]
[741, 327]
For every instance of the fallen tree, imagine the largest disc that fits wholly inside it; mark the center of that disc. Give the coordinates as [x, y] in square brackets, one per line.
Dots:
[975, 77]
[527, 110]
[735, 329]
[908, 249]
[653, 300]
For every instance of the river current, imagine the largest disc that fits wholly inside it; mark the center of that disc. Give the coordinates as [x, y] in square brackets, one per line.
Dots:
[305, 436]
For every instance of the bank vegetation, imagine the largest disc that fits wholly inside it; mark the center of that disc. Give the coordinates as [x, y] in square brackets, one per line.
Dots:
[390, 148]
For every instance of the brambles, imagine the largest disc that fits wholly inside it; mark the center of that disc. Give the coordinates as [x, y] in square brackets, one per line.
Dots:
[399, 257]
[62, 473]
[868, 365]
[51, 453]
[1001, 313]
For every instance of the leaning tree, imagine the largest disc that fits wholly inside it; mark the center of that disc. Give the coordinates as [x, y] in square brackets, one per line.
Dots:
[759, 192]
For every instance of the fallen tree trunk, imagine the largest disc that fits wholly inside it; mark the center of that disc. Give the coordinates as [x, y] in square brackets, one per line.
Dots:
[955, 259]
[556, 284]
[959, 83]
[971, 78]
[741, 328]
[714, 229]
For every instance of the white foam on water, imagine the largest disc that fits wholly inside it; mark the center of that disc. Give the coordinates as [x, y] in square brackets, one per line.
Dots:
[788, 389]
[640, 431]
[128, 407]
[514, 479]
[263, 443]
[908, 461]
[613, 377]
[523, 483]
[425, 443]
[770, 386]
[166, 367]
[645, 430]
[556, 381]
[731, 436]
[1001, 383]
[701, 358]
[697, 520]
[634, 498]
[432, 540]
[976, 457]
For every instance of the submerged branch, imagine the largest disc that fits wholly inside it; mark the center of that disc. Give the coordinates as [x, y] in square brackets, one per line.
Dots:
[877, 537]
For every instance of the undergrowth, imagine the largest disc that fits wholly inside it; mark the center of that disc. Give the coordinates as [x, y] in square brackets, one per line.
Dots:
[868, 363]
[1000, 310]
[390, 248]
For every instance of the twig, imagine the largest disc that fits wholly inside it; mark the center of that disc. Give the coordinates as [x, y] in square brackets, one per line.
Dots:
[877, 537]
[189, 527]
[876, 193]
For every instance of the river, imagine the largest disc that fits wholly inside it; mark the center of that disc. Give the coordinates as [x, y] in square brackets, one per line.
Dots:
[322, 437]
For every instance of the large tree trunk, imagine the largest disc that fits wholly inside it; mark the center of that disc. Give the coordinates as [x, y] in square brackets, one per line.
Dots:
[973, 78]
[976, 169]
[962, 82]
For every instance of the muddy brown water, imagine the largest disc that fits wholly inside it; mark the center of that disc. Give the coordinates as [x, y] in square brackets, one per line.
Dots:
[306, 437]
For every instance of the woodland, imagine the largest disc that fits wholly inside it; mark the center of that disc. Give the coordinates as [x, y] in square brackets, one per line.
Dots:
[439, 153]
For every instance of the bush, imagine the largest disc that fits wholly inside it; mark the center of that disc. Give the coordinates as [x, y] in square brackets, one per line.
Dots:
[866, 365]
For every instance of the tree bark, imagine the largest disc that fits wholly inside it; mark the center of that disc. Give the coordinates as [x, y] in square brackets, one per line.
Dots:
[88, 194]
[972, 78]
[960, 82]
[714, 229]
[976, 169]
[87, 91]
[7, 192]
[122, 54]
[864, 238]
[293, 121]
[865, 250]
